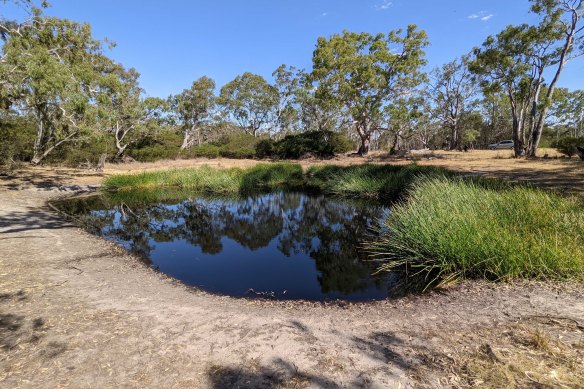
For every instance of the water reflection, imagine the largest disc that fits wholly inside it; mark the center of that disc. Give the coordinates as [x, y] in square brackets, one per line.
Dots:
[285, 245]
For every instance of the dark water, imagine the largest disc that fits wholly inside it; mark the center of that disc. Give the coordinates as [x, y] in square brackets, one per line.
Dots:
[278, 245]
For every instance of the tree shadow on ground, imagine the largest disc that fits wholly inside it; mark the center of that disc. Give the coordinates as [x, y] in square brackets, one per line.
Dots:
[395, 359]
[567, 181]
[281, 374]
[10, 326]
[382, 347]
[32, 219]
[51, 181]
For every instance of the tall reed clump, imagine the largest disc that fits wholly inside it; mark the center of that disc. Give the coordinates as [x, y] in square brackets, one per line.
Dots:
[454, 228]
[373, 181]
[209, 180]
[363, 181]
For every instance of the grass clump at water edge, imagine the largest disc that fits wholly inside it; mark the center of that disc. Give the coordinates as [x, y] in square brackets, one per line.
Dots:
[208, 180]
[451, 228]
[369, 181]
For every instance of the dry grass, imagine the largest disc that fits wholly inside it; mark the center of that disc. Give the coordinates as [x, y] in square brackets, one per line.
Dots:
[524, 356]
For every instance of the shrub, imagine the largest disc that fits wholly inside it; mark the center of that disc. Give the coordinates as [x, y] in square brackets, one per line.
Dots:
[455, 228]
[322, 144]
[568, 145]
[207, 150]
[154, 153]
[16, 140]
[164, 145]
[264, 148]
[238, 145]
[82, 151]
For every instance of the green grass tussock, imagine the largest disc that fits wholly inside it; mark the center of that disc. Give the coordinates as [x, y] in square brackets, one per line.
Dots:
[373, 181]
[209, 180]
[455, 228]
[365, 181]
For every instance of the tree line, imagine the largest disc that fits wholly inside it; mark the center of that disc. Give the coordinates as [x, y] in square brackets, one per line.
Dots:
[56, 77]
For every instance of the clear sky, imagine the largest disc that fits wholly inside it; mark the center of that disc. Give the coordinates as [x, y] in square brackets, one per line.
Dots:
[173, 42]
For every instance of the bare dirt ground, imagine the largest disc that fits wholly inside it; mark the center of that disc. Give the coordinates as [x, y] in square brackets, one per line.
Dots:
[76, 311]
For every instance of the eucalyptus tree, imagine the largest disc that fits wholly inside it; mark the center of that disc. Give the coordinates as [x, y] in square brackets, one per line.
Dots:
[288, 83]
[566, 112]
[364, 72]
[121, 111]
[504, 63]
[156, 113]
[564, 32]
[318, 114]
[452, 88]
[404, 118]
[193, 109]
[251, 101]
[497, 123]
[49, 69]
[518, 59]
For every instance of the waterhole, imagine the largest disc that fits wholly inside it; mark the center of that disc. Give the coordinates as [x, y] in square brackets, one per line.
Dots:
[277, 245]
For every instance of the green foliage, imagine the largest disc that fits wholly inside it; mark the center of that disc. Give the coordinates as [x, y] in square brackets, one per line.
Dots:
[567, 145]
[162, 145]
[16, 140]
[455, 228]
[207, 150]
[363, 72]
[251, 101]
[49, 70]
[82, 151]
[322, 144]
[193, 107]
[121, 110]
[238, 145]
[264, 148]
[155, 152]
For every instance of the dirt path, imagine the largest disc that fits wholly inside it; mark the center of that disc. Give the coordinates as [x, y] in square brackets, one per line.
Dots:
[76, 311]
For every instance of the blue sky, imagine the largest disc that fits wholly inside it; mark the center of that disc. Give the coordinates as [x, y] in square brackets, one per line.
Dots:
[173, 42]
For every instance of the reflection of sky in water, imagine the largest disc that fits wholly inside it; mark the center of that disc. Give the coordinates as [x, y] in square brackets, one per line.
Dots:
[289, 245]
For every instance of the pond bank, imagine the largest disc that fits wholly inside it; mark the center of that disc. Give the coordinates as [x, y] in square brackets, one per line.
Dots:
[77, 311]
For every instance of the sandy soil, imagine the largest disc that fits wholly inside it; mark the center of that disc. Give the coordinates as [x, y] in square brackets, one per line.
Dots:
[76, 311]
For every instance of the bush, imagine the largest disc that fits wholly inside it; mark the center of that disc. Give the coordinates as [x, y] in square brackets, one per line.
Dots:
[207, 150]
[154, 153]
[238, 145]
[454, 228]
[321, 144]
[16, 140]
[164, 145]
[264, 148]
[82, 151]
[568, 145]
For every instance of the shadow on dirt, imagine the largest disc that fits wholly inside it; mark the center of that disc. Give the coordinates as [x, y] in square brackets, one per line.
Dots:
[281, 374]
[33, 219]
[42, 181]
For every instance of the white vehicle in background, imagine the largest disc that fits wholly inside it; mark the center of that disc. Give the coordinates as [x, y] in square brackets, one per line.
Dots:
[504, 144]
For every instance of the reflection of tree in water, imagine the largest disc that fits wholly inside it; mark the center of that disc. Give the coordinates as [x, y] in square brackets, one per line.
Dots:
[329, 231]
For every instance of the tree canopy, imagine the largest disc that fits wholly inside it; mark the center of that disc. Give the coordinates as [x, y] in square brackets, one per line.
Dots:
[363, 72]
